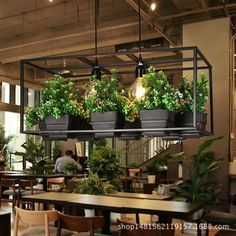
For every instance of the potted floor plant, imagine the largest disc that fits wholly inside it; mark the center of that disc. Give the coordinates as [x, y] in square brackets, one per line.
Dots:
[34, 153]
[59, 108]
[104, 104]
[4, 140]
[198, 188]
[158, 104]
[92, 185]
[105, 162]
[184, 117]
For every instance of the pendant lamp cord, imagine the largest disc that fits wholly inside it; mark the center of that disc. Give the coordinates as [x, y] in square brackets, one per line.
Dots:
[95, 31]
[139, 26]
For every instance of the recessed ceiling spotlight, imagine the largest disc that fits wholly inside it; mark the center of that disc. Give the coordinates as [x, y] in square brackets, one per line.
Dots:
[153, 6]
[50, 0]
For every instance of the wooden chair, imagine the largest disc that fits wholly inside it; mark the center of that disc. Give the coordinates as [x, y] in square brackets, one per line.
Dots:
[26, 187]
[40, 222]
[11, 193]
[135, 174]
[80, 223]
[131, 229]
[56, 184]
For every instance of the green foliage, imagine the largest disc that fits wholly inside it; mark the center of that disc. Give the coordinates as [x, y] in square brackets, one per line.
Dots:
[198, 189]
[93, 185]
[185, 95]
[4, 140]
[58, 98]
[129, 108]
[56, 151]
[105, 162]
[157, 164]
[158, 92]
[105, 94]
[71, 167]
[34, 153]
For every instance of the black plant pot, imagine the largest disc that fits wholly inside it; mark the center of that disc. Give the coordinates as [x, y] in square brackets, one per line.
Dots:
[107, 121]
[132, 135]
[160, 118]
[186, 120]
[64, 123]
[42, 127]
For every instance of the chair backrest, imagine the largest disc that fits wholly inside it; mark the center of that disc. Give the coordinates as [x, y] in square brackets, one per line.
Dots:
[58, 180]
[35, 218]
[23, 183]
[80, 223]
[131, 229]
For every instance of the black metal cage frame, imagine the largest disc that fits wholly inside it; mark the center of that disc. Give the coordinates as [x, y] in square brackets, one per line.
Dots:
[197, 56]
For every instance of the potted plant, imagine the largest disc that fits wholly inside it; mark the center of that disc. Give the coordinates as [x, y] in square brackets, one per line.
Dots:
[156, 168]
[59, 108]
[104, 104]
[131, 113]
[71, 168]
[198, 188]
[158, 104]
[105, 162]
[92, 185]
[56, 151]
[184, 118]
[4, 140]
[34, 153]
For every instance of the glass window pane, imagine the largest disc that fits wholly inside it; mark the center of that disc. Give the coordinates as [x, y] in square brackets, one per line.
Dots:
[17, 102]
[31, 97]
[5, 92]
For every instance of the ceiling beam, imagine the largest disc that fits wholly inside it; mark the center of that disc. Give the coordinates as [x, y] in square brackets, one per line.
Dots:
[155, 25]
[187, 13]
[204, 5]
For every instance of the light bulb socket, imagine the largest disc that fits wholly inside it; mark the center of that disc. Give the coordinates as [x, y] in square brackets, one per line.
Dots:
[140, 70]
[97, 72]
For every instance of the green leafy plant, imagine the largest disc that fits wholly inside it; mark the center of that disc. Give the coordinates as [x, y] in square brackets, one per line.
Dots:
[157, 164]
[105, 162]
[158, 92]
[34, 153]
[105, 94]
[4, 140]
[56, 151]
[185, 95]
[71, 168]
[129, 108]
[58, 98]
[197, 188]
[93, 185]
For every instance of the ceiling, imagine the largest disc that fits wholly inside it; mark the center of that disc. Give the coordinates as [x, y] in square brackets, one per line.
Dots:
[39, 28]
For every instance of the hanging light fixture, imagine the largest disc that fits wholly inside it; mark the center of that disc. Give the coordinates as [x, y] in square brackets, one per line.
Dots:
[96, 70]
[136, 88]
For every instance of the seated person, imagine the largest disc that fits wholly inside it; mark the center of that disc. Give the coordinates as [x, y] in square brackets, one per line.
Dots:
[62, 161]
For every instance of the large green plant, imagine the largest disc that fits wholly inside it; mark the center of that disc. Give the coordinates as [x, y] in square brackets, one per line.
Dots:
[58, 98]
[158, 92]
[105, 162]
[4, 140]
[185, 95]
[93, 185]
[197, 188]
[57, 152]
[34, 153]
[105, 94]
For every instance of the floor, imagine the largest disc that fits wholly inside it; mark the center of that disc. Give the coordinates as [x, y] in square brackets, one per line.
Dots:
[144, 219]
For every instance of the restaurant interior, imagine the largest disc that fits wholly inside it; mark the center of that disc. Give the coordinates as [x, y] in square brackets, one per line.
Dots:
[118, 117]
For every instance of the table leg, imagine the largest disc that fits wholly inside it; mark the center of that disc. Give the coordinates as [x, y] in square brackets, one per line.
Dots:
[45, 184]
[106, 227]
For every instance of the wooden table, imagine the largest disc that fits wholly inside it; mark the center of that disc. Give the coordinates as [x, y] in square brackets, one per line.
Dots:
[166, 210]
[141, 195]
[22, 175]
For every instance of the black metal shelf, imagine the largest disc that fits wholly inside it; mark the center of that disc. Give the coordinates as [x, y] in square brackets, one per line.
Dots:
[195, 58]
